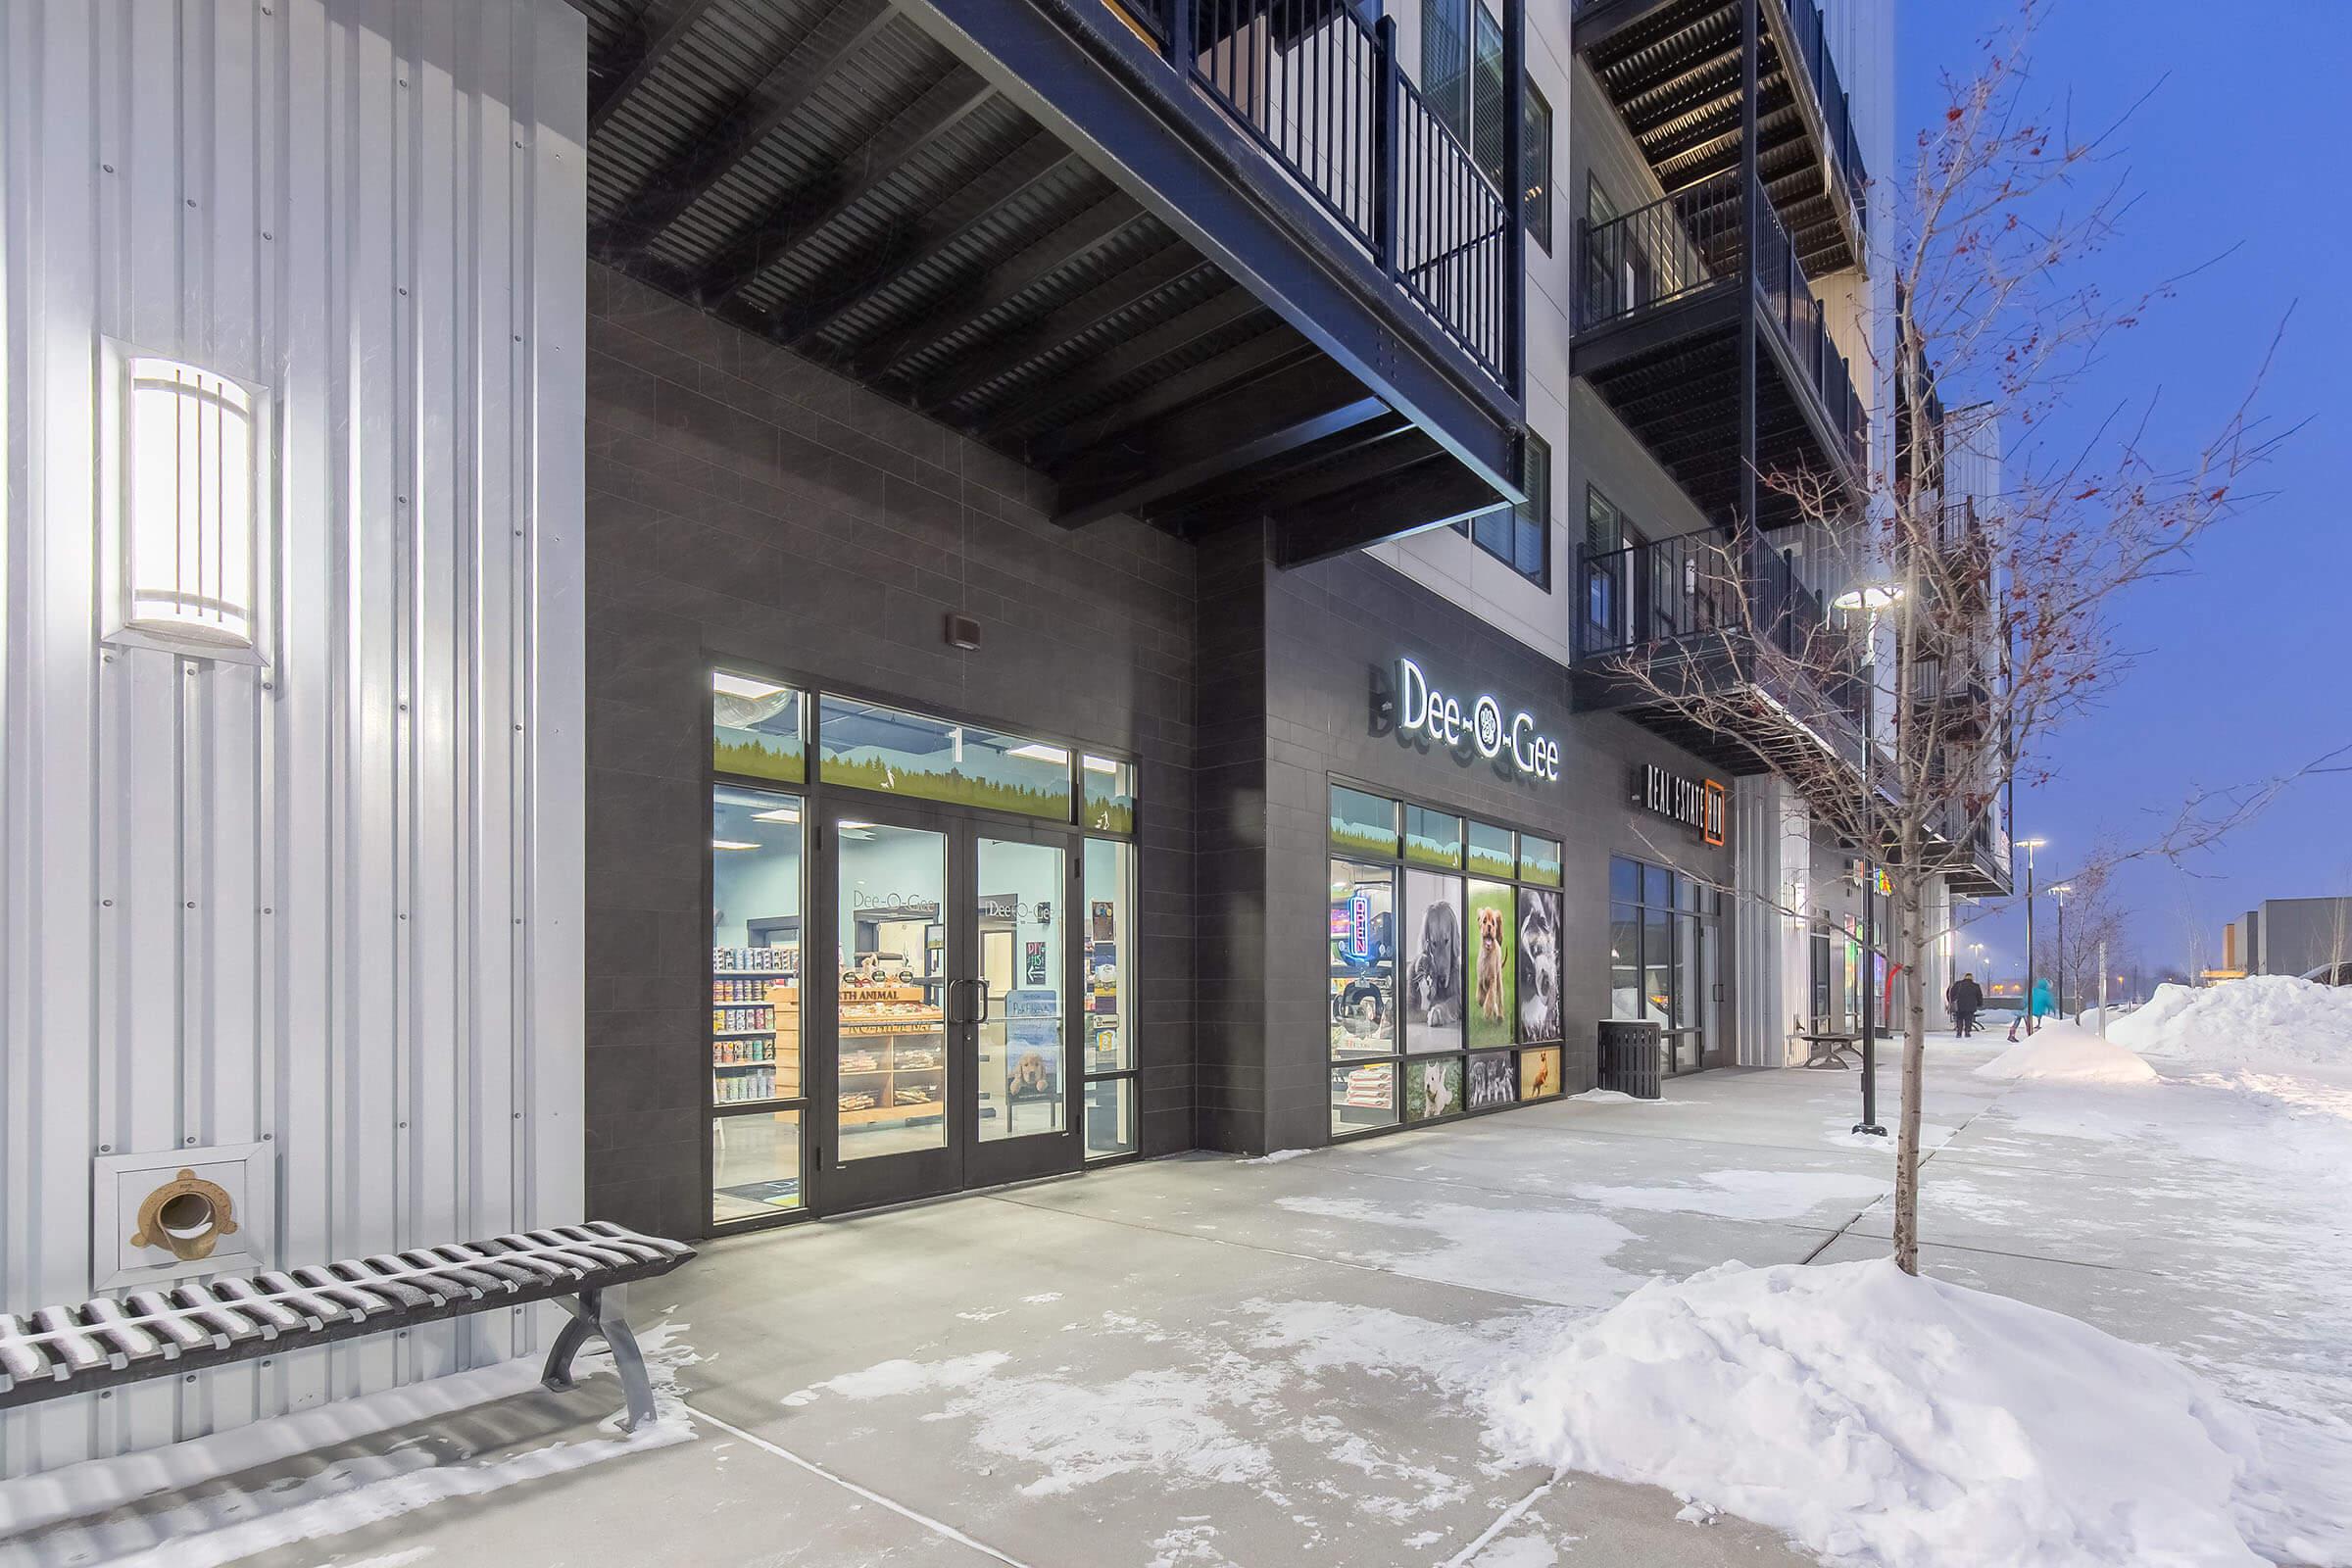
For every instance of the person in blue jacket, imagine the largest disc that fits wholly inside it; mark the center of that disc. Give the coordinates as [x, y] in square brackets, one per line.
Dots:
[2043, 1006]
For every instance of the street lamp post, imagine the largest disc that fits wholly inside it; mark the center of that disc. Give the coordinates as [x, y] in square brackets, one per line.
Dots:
[1874, 598]
[2029, 845]
[2058, 981]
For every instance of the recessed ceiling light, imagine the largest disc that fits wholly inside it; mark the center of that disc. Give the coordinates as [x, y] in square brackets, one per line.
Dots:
[1039, 752]
[728, 685]
[1101, 764]
[731, 844]
[783, 813]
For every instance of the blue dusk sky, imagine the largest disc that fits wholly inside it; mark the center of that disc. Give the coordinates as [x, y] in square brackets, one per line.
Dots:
[2244, 667]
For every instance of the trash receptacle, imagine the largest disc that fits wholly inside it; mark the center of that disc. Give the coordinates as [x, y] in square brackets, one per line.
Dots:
[1629, 1057]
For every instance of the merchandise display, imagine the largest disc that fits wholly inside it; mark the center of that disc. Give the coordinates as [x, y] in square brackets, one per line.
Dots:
[1365, 1097]
[755, 1025]
[893, 1046]
[1364, 960]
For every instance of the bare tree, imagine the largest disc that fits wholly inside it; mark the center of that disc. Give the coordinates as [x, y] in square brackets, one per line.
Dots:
[1987, 620]
[2094, 922]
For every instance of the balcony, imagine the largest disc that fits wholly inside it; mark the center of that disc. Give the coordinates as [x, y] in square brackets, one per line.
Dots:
[1665, 296]
[1973, 857]
[1673, 70]
[1721, 647]
[1196, 260]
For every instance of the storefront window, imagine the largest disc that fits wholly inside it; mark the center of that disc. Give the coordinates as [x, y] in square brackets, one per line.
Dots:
[1491, 850]
[1110, 1117]
[1435, 965]
[1107, 1006]
[1362, 822]
[1539, 1020]
[870, 747]
[1432, 838]
[755, 946]
[1109, 786]
[1364, 960]
[1494, 963]
[754, 1166]
[755, 728]
[1662, 956]
[1469, 969]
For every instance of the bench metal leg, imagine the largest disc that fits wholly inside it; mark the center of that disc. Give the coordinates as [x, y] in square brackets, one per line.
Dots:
[601, 1313]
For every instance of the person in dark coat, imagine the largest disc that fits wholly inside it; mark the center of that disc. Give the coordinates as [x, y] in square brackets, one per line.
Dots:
[1968, 998]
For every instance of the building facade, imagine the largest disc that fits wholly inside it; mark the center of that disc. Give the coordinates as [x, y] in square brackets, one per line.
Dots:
[857, 602]
[2290, 935]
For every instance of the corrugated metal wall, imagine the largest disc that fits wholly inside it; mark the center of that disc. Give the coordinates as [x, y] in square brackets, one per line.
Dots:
[333, 902]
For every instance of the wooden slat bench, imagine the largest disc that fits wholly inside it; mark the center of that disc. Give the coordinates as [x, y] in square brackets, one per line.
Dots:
[221, 1320]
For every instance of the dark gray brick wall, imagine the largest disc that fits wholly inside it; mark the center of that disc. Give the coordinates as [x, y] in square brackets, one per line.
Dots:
[745, 503]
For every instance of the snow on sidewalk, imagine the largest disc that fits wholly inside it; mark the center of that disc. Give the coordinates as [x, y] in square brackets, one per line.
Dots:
[2066, 1052]
[1906, 1422]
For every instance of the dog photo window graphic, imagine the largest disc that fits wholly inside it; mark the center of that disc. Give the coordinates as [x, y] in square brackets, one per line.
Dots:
[1494, 963]
[1540, 1021]
[1437, 973]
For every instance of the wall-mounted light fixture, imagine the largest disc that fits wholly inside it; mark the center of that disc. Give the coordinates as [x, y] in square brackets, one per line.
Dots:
[187, 518]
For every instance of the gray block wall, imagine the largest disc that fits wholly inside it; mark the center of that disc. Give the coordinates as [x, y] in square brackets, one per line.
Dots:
[747, 504]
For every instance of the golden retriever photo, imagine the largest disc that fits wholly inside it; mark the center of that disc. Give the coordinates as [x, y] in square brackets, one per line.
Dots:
[1489, 964]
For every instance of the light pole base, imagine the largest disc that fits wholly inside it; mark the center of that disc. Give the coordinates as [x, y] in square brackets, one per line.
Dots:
[1870, 1127]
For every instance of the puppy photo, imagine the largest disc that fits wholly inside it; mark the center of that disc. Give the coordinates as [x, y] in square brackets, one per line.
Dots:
[1030, 1077]
[1490, 1080]
[1432, 1088]
[1438, 974]
[1538, 964]
[1490, 965]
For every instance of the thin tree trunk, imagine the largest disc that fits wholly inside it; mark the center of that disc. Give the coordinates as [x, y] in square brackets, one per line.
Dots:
[1915, 1062]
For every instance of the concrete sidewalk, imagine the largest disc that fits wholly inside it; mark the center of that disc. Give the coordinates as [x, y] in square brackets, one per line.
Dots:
[1205, 1361]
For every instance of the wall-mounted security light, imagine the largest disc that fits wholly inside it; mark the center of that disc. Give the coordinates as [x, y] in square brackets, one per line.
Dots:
[188, 515]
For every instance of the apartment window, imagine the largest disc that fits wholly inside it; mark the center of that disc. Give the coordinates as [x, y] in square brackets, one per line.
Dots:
[1520, 537]
[1446, 63]
[1461, 78]
[1485, 140]
[1604, 568]
[1538, 169]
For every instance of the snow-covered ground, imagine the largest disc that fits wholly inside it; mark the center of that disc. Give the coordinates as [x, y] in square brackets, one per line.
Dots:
[2133, 1345]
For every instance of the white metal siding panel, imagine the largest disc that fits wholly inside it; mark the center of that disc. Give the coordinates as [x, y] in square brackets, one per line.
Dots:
[332, 902]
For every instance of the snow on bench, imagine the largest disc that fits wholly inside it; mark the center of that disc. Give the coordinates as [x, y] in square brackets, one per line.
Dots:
[107, 1342]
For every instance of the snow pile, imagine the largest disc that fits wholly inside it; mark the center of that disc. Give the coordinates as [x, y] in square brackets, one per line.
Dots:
[1883, 1419]
[2063, 1052]
[2262, 1017]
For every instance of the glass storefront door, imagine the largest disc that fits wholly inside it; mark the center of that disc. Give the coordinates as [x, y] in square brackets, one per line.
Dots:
[948, 1064]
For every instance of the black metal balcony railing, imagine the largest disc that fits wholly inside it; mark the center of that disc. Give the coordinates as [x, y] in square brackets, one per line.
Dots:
[1681, 244]
[1319, 90]
[1805, 328]
[1836, 110]
[1654, 255]
[1681, 594]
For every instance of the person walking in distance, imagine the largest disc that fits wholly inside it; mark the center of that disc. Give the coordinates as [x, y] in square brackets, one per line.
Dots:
[1967, 998]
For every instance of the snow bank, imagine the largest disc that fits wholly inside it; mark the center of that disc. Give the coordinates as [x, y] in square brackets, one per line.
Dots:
[2066, 1052]
[2261, 1018]
[1882, 1419]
